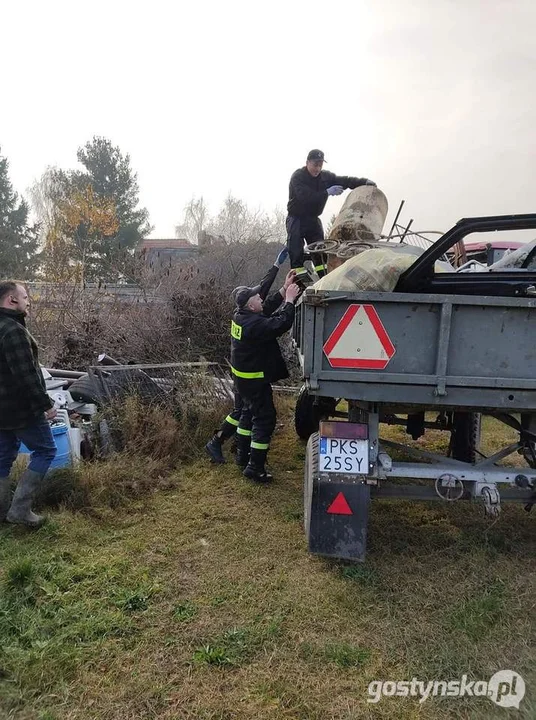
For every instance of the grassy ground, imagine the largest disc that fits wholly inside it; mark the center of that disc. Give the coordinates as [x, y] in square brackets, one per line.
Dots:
[202, 602]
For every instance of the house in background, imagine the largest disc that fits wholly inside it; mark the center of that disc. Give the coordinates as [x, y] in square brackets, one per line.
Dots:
[161, 254]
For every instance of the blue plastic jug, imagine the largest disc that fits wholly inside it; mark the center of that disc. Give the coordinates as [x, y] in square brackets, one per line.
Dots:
[63, 447]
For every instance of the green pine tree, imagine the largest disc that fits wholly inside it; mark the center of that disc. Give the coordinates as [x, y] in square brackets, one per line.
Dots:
[19, 241]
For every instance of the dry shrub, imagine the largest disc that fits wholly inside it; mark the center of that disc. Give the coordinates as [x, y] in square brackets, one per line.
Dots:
[121, 478]
[180, 316]
[155, 431]
[153, 441]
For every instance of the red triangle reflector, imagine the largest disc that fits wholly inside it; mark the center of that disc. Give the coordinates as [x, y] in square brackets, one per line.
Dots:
[340, 506]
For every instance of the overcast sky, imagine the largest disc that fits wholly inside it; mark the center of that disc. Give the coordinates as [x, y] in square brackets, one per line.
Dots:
[433, 99]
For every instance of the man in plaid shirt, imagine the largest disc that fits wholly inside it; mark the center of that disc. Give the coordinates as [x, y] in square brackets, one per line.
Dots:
[25, 408]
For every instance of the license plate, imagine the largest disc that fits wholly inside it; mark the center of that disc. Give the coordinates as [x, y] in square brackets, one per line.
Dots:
[342, 455]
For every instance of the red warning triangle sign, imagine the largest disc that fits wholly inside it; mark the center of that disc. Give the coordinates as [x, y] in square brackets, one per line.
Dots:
[359, 340]
[340, 506]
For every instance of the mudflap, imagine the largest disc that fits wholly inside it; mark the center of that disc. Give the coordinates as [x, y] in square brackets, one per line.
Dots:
[335, 512]
[339, 518]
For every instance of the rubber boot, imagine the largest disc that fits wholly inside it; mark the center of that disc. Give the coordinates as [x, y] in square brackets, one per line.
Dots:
[255, 469]
[5, 497]
[243, 448]
[303, 277]
[20, 512]
[214, 449]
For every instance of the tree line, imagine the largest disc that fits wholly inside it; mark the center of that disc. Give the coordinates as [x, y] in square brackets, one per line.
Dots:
[87, 223]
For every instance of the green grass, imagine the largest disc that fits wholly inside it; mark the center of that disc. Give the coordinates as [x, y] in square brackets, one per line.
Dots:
[202, 603]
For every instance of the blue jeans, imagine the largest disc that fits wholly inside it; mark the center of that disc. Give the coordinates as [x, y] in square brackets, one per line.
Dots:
[38, 439]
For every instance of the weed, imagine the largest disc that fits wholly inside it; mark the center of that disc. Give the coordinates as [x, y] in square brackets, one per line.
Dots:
[184, 612]
[210, 655]
[130, 601]
[19, 574]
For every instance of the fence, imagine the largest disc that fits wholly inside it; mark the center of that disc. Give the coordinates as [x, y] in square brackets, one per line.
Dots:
[168, 384]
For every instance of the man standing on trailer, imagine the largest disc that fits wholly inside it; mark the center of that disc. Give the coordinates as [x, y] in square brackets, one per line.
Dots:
[309, 189]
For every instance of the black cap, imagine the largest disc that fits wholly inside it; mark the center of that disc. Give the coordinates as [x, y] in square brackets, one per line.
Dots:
[242, 294]
[316, 155]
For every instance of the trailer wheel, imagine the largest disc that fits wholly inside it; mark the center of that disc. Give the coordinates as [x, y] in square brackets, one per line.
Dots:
[465, 436]
[311, 471]
[308, 413]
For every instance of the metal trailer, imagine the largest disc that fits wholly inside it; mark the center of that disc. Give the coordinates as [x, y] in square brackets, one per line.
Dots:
[456, 345]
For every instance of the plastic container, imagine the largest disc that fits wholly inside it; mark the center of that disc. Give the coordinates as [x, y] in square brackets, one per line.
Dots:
[63, 446]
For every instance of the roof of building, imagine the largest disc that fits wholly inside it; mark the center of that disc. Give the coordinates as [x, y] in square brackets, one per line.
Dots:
[166, 243]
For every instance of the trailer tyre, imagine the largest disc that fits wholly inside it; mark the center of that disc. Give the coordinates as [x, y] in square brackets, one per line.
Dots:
[308, 413]
[465, 436]
[311, 472]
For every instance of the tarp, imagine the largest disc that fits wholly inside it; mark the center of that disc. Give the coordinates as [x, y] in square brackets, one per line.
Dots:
[378, 270]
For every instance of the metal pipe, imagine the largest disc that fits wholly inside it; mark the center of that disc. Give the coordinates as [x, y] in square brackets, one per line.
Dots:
[406, 230]
[72, 374]
[396, 218]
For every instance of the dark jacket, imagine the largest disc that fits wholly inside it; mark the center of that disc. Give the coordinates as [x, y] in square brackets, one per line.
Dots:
[270, 304]
[255, 353]
[266, 284]
[23, 394]
[308, 195]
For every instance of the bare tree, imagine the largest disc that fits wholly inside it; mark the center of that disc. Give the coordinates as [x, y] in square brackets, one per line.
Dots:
[195, 219]
[234, 223]
[43, 195]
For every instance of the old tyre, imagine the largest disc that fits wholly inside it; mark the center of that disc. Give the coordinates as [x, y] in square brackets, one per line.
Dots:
[308, 413]
[465, 436]
[85, 389]
[119, 384]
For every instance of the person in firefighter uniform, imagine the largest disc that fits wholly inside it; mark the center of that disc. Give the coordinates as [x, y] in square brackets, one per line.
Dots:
[239, 419]
[257, 362]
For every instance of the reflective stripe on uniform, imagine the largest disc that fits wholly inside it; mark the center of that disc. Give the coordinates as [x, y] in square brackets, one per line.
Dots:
[241, 431]
[318, 268]
[247, 375]
[259, 446]
[300, 271]
[230, 419]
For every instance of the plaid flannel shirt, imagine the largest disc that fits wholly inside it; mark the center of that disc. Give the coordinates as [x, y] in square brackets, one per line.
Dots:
[23, 393]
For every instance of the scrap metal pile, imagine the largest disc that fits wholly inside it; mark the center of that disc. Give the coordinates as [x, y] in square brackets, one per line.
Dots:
[83, 396]
[359, 255]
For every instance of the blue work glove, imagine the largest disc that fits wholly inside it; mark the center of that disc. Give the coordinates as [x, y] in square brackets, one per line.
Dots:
[371, 182]
[280, 259]
[335, 190]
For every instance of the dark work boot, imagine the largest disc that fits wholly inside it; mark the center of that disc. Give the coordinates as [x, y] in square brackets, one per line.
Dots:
[303, 278]
[255, 469]
[5, 497]
[20, 512]
[214, 449]
[243, 447]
